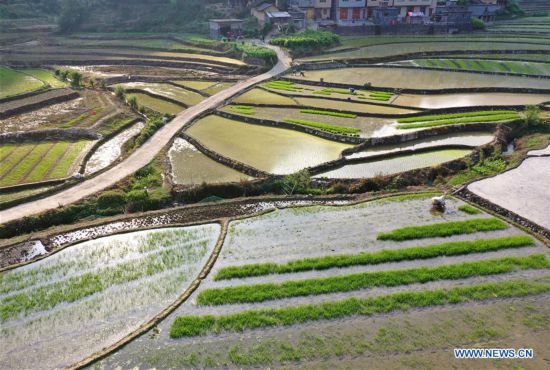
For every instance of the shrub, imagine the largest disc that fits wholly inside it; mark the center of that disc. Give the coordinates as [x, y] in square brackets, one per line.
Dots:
[477, 24]
[307, 41]
[444, 229]
[532, 117]
[111, 199]
[186, 326]
[76, 79]
[120, 92]
[384, 256]
[132, 102]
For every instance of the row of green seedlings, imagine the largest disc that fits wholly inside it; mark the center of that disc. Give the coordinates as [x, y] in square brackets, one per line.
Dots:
[347, 283]
[485, 66]
[384, 256]
[188, 326]
[334, 129]
[371, 95]
[85, 119]
[457, 118]
[285, 86]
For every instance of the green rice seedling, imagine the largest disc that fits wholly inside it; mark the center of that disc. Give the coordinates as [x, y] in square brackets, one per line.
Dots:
[454, 115]
[328, 113]
[341, 130]
[454, 121]
[365, 280]
[469, 209]
[243, 109]
[188, 326]
[384, 256]
[444, 229]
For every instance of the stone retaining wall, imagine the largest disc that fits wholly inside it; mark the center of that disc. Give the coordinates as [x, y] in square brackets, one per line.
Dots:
[25, 95]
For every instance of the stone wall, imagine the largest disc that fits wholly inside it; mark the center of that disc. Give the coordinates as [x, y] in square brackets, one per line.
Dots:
[54, 134]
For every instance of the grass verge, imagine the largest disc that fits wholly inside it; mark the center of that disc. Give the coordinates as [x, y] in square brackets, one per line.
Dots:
[444, 229]
[347, 283]
[384, 256]
[188, 326]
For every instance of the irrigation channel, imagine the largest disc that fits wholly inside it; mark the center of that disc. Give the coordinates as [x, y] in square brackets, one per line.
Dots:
[142, 156]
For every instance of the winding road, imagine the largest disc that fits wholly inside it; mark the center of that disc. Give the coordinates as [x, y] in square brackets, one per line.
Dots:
[143, 155]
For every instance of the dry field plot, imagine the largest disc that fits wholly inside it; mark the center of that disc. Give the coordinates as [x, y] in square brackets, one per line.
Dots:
[287, 273]
[87, 296]
[170, 91]
[158, 105]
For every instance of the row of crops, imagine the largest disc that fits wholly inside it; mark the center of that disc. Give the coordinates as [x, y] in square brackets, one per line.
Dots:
[523, 68]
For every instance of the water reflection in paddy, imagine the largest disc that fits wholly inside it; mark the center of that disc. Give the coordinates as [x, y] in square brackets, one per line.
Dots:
[111, 150]
[189, 166]
[471, 139]
[269, 149]
[396, 164]
[468, 100]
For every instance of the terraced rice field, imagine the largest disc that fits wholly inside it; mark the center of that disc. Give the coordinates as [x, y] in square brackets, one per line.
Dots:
[155, 104]
[46, 76]
[471, 139]
[259, 96]
[522, 68]
[273, 150]
[14, 82]
[282, 324]
[396, 164]
[170, 91]
[489, 116]
[33, 162]
[469, 100]
[368, 126]
[191, 167]
[95, 292]
[420, 79]
[353, 107]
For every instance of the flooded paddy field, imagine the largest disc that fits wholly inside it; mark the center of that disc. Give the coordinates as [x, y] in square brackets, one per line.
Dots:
[523, 190]
[86, 297]
[191, 167]
[290, 235]
[353, 107]
[274, 150]
[469, 100]
[170, 91]
[421, 79]
[472, 139]
[158, 105]
[109, 152]
[369, 126]
[396, 164]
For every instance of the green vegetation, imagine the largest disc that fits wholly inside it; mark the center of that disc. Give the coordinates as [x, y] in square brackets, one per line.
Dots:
[384, 256]
[488, 65]
[243, 109]
[308, 41]
[151, 126]
[485, 167]
[45, 76]
[469, 209]
[187, 326]
[347, 283]
[457, 118]
[282, 85]
[257, 52]
[340, 130]
[25, 163]
[328, 113]
[14, 83]
[155, 104]
[444, 229]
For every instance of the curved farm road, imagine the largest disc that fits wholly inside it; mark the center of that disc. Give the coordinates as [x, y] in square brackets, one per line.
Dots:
[145, 154]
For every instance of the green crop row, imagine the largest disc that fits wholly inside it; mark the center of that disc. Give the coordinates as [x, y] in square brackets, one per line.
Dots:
[444, 229]
[436, 117]
[454, 121]
[328, 113]
[243, 109]
[469, 209]
[365, 280]
[384, 256]
[187, 326]
[341, 130]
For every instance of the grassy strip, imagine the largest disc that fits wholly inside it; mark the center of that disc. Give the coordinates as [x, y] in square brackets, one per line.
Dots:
[365, 280]
[342, 130]
[384, 256]
[187, 326]
[444, 229]
[328, 113]
[453, 121]
[469, 209]
[436, 117]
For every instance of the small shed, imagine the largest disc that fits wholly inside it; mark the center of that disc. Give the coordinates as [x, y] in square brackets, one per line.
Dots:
[279, 17]
[230, 28]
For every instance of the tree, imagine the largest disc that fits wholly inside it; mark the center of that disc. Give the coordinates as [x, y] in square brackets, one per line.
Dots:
[72, 14]
[132, 102]
[76, 79]
[478, 24]
[120, 92]
[298, 182]
[532, 117]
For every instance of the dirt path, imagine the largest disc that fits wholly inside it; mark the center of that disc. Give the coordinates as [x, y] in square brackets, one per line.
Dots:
[145, 154]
